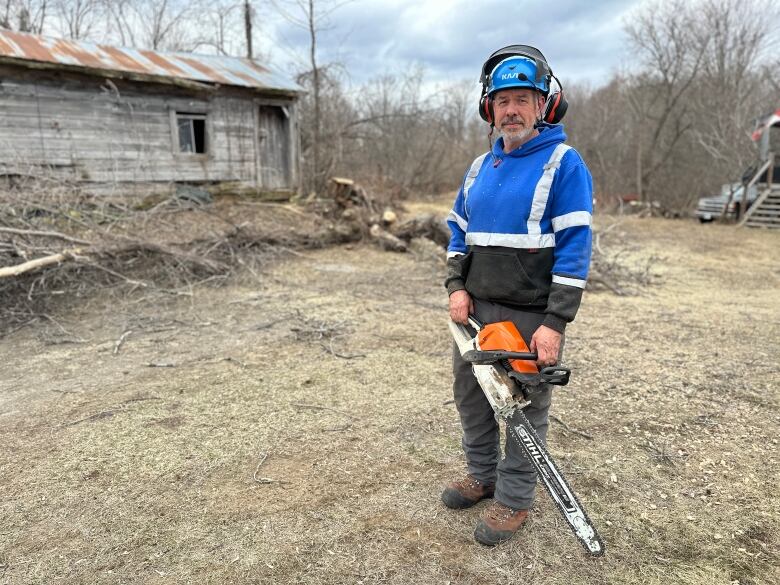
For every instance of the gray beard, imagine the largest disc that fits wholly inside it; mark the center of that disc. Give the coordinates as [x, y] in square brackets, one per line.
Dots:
[516, 136]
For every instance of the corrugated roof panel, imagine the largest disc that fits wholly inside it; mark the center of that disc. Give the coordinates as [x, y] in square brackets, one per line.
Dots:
[204, 68]
[164, 67]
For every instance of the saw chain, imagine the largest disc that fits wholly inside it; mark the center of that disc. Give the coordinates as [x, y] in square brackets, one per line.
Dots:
[507, 392]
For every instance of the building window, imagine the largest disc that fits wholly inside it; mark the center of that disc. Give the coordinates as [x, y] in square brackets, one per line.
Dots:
[192, 132]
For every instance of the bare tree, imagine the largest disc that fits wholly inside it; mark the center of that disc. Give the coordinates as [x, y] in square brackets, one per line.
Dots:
[24, 15]
[248, 28]
[735, 33]
[601, 125]
[664, 38]
[79, 19]
[155, 24]
[412, 139]
[314, 17]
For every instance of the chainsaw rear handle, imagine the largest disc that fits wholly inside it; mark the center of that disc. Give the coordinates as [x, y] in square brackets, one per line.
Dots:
[557, 375]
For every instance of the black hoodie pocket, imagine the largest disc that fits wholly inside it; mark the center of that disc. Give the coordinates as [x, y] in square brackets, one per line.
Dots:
[500, 276]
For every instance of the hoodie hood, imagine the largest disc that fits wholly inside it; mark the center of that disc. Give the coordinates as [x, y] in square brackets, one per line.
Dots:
[549, 135]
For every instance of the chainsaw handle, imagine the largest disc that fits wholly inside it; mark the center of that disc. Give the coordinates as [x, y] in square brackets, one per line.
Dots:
[557, 375]
[490, 356]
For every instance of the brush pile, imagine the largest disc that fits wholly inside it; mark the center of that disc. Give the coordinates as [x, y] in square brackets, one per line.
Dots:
[58, 241]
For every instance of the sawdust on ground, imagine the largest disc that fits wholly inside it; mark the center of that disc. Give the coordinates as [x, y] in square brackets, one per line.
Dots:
[296, 427]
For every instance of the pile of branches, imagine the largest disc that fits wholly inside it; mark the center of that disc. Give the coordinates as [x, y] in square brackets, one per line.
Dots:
[617, 264]
[57, 241]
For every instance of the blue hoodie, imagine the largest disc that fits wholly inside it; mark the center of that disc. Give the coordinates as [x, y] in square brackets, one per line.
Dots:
[521, 227]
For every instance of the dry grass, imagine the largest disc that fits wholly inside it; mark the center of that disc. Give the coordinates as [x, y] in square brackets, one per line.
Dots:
[116, 471]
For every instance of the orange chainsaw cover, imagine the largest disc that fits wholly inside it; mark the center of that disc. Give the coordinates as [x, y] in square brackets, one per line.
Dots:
[505, 336]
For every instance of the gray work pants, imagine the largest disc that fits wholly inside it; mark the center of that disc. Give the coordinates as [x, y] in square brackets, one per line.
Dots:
[514, 475]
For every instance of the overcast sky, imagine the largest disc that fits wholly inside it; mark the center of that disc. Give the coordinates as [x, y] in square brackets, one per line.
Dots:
[583, 41]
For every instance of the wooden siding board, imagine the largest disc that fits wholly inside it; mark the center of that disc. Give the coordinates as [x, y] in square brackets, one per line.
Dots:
[88, 131]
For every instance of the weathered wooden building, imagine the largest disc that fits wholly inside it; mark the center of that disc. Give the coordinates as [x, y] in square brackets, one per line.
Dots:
[129, 119]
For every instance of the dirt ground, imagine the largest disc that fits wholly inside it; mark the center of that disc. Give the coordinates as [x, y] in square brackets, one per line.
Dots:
[296, 426]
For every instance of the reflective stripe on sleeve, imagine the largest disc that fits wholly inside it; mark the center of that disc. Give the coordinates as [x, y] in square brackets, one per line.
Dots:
[543, 186]
[453, 254]
[510, 240]
[578, 282]
[462, 223]
[572, 219]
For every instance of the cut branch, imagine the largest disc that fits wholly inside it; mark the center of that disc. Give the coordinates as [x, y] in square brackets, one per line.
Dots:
[39, 263]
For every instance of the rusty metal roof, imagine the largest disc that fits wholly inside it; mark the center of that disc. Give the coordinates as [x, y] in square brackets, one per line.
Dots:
[210, 69]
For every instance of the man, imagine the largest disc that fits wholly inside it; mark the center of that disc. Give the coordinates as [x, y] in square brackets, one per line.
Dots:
[519, 251]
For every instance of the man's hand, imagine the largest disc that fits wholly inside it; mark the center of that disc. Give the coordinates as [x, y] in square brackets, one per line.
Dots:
[461, 306]
[546, 343]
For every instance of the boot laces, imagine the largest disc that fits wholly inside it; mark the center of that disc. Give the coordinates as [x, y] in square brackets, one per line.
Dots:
[500, 512]
[470, 482]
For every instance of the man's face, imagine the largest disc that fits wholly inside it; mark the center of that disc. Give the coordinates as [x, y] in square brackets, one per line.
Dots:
[516, 111]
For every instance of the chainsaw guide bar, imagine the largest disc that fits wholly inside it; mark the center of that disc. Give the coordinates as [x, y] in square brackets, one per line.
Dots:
[507, 374]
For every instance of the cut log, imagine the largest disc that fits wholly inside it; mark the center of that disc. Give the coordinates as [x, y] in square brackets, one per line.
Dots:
[425, 225]
[389, 217]
[345, 193]
[386, 240]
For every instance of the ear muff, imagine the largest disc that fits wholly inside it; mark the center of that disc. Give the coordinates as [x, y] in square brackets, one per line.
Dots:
[486, 108]
[555, 107]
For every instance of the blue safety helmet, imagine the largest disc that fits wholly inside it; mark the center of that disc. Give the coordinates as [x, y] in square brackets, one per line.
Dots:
[517, 72]
[520, 66]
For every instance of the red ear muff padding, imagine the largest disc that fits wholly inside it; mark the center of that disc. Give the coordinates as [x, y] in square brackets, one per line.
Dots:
[556, 108]
[552, 105]
[486, 109]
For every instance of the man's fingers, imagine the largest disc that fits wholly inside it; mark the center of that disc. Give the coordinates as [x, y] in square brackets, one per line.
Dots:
[547, 357]
[542, 353]
[457, 314]
[460, 306]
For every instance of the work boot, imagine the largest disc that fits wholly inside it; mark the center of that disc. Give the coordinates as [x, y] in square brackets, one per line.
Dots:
[499, 523]
[466, 492]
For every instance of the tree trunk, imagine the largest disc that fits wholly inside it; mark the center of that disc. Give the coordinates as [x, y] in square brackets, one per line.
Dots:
[316, 83]
[248, 28]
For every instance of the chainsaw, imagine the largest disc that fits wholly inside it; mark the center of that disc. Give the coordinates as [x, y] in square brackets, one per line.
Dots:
[508, 375]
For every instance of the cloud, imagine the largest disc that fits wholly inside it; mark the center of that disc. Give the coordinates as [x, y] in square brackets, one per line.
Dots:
[583, 41]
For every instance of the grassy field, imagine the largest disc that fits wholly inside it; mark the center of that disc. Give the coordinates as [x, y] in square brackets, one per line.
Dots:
[296, 426]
